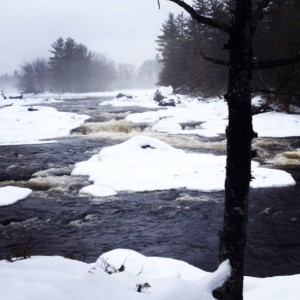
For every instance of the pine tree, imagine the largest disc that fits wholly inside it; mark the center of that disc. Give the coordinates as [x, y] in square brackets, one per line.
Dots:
[57, 65]
[81, 69]
[182, 45]
[70, 66]
[174, 51]
[278, 36]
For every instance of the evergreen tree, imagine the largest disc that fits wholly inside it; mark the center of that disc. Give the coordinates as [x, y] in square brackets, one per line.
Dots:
[173, 48]
[81, 69]
[70, 66]
[205, 77]
[182, 44]
[57, 65]
[279, 36]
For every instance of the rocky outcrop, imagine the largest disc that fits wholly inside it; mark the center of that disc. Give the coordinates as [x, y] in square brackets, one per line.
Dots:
[165, 97]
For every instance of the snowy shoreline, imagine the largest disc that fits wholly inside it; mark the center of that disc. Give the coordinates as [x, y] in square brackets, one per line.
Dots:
[118, 274]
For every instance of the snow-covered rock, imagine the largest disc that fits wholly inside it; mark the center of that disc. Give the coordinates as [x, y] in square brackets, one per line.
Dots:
[165, 97]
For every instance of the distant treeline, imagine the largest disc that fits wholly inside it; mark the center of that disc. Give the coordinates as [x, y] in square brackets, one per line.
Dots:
[73, 68]
[188, 49]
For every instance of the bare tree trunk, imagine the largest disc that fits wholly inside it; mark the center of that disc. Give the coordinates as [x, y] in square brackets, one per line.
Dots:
[239, 137]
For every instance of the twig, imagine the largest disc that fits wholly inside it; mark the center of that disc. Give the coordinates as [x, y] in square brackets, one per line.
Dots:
[140, 272]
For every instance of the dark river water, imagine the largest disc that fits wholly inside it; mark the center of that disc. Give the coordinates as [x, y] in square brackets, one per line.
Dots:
[180, 224]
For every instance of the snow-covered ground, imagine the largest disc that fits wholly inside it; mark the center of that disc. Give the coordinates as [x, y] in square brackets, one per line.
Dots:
[23, 122]
[59, 278]
[140, 163]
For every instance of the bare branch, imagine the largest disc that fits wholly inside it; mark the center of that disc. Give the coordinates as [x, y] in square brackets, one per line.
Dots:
[213, 60]
[264, 81]
[158, 3]
[274, 92]
[202, 19]
[140, 272]
[271, 64]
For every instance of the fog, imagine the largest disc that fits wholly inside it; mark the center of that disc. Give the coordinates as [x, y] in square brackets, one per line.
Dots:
[125, 30]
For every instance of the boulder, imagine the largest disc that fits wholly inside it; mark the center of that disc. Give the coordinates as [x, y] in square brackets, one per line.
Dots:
[164, 96]
[158, 96]
[122, 95]
[163, 92]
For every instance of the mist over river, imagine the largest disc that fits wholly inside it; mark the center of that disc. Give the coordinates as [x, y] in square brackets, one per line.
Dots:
[182, 224]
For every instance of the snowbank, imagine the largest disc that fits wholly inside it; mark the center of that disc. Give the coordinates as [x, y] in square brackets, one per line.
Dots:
[23, 125]
[161, 279]
[144, 164]
[212, 115]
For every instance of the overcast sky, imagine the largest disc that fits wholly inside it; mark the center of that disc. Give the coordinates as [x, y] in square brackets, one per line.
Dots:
[124, 30]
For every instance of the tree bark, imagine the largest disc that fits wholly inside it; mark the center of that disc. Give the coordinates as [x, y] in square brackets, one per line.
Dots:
[239, 135]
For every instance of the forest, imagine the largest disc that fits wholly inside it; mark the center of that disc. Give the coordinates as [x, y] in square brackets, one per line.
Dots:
[72, 67]
[194, 56]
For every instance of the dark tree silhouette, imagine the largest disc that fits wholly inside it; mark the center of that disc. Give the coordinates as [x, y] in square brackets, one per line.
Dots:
[75, 69]
[245, 16]
[172, 45]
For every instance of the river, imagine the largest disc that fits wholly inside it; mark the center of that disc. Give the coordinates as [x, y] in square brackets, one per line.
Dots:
[181, 224]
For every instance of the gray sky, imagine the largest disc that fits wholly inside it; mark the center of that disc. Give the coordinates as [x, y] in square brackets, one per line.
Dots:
[124, 30]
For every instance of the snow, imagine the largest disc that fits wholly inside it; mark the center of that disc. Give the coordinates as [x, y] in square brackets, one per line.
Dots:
[31, 100]
[97, 191]
[212, 114]
[145, 164]
[143, 98]
[11, 194]
[55, 277]
[165, 90]
[23, 125]
[166, 125]
[275, 124]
